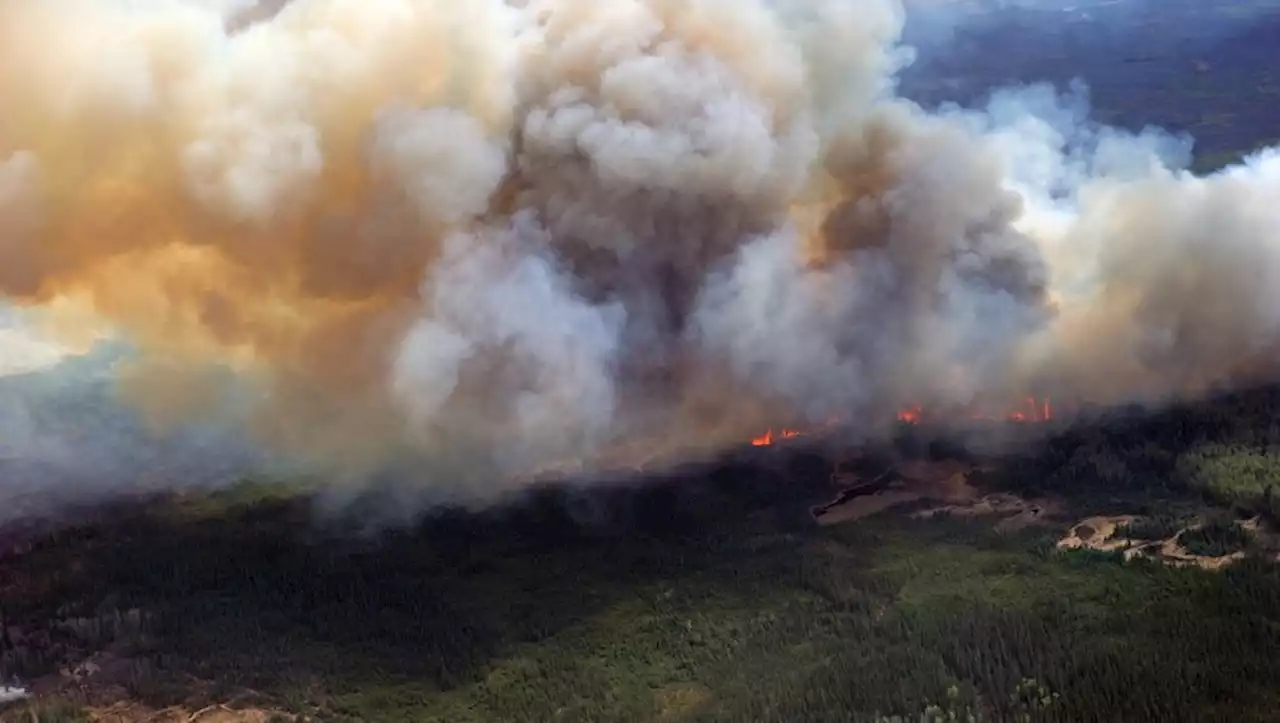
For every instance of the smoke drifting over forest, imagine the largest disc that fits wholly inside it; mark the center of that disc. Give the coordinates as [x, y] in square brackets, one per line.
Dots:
[479, 238]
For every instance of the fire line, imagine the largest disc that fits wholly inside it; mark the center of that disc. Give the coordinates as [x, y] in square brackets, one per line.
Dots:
[1031, 409]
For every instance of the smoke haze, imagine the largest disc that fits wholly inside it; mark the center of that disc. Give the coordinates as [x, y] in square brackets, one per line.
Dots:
[935, 24]
[474, 240]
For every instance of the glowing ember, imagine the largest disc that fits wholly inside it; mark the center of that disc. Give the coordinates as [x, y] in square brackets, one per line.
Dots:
[1031, 409]
[768, 438]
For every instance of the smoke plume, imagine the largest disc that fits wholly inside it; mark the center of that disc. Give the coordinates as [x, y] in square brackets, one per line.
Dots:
[476, 239]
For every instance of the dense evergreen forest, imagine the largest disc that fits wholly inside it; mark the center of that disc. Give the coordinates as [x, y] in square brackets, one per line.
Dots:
[708, 597]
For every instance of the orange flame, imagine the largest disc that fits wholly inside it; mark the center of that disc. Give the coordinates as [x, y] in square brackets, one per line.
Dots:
[767, 438]
[1030, 409]
[911, 415]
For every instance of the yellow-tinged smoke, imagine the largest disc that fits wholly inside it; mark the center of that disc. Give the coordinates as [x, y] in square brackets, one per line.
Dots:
[520, 232]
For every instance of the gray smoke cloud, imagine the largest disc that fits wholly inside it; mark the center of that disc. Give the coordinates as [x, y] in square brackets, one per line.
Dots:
[67, 440]
[476, 240]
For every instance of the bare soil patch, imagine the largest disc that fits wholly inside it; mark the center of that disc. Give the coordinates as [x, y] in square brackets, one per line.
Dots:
[1105, 534]
[100, 686]
[136, 713]
[945, 483]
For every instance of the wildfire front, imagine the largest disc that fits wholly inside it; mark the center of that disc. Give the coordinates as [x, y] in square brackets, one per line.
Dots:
[1031, 409]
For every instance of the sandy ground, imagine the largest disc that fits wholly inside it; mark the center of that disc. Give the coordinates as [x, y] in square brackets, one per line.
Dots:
[1101, 533]
[132, 713]
[99, 684]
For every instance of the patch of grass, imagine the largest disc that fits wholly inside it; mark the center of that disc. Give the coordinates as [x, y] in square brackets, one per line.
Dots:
[46, 712]
[1159, 527]
[1234, 473]
[1216, 539]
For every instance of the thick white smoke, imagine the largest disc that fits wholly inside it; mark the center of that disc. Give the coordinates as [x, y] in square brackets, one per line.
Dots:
[495, 236]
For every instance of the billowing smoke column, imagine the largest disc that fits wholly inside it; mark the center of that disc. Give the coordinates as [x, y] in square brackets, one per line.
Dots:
[479, 238]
